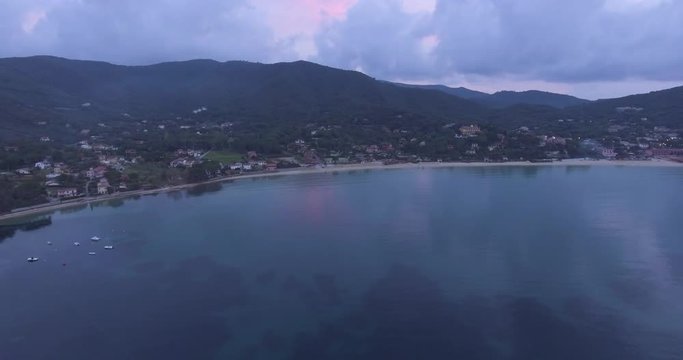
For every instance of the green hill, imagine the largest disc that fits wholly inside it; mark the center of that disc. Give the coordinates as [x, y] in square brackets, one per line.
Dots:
[49, 96]
[58, 90]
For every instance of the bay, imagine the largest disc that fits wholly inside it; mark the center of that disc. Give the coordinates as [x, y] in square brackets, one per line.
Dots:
[478, 263]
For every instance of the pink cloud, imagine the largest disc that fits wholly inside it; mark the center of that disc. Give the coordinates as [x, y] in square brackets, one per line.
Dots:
[301, 17]
[32, 19]
[297, 21]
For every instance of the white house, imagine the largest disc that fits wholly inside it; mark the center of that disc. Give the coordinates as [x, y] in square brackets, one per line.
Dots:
[103, 187]
[42, 165]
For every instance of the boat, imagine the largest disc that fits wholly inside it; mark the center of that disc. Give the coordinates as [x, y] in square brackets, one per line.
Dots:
[77, 243]
[108, 247]
[95, 238]
[32, 259]
[49, 242]
[91, 253]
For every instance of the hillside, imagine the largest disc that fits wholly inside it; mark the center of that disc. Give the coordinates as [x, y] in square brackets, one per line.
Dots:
[462, 92]
[52, 89]
[49, 96]
[503, 99]
[531, 97]
[663, 107]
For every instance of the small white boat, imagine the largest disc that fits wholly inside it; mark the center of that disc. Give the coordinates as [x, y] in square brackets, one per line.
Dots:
[91, 253]
[77, 243]
[108, 247]
[49, 242]
[32, 259]
[95, 238]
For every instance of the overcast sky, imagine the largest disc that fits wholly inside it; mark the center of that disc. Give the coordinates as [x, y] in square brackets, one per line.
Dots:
[588, 48]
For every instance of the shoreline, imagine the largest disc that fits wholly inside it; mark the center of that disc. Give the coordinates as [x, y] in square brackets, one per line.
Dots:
[48, 208]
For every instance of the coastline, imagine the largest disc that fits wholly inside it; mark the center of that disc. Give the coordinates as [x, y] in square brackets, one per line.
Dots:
[48, 208]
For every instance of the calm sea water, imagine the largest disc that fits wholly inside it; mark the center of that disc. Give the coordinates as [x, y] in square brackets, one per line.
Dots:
[471, 263]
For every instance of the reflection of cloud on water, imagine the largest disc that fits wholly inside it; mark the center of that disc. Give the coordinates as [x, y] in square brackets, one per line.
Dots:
[320, 202]
[647, 271]
[167, 312]
[405, 315]
[423, 181]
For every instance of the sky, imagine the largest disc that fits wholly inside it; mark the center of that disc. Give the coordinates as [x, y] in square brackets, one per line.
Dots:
[588, 48]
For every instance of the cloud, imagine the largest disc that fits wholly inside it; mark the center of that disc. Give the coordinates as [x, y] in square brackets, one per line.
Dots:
[31, 20]
[382, 38]
[297, 21]
[533, 40]
[134, 32]
[557, 43]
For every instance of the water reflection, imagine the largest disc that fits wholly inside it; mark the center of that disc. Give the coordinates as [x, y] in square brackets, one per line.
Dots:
[203, 189]
[528, 171]
[405, 315]
[489, 265]
[73, 209]
[8, 230]
[170, 320]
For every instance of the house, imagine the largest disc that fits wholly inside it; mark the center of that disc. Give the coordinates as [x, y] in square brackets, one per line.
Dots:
[271, 166]
[236, 166]
[372, 149]
[247, 167]
[252, 155]
[310, 157]
[184, 162]
[45, 139]
[556, 140]
[470, 130]
[103, 187]
[52, 183]
[62, 192]
[97, 172]
[42, 165]
[667, 152]
[195, 153]
[24, 171]
[609, 153]
[60, 168]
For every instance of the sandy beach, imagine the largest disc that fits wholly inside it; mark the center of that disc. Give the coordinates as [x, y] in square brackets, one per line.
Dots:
[50, 207]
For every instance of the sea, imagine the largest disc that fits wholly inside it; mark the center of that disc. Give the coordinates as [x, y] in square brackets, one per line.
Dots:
[546, 262]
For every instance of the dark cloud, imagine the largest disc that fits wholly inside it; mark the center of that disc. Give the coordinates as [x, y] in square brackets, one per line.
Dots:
[135, 32]
[566, 45]
[380, 38]
[558, 41]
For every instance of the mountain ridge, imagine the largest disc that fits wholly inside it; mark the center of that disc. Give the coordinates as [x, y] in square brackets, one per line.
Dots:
[55, 91]
[506, 98]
